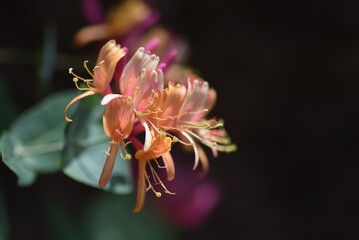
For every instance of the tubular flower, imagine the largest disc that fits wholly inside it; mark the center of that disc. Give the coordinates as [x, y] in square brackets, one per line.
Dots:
[102, 73]
[118, 119]
[140, 79]
[160, 147]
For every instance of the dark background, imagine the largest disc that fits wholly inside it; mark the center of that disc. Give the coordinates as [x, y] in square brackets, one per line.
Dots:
[287, 78]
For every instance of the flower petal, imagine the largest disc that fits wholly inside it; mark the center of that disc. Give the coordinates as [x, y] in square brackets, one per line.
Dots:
[118, 118]
[108, 98]
[110, 54]
[141, 186]
[195, 149]
[148, 136]
[170, 167]
[110, 162]
[85, 94]
[203, 158]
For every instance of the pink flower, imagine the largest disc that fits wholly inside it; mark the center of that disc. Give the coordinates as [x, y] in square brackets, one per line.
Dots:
[102, 73]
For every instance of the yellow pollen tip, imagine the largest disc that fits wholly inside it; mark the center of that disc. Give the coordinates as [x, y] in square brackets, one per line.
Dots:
[163, 134]
[70, 70]
[138, 114]
[158, 194]
[75, 79]
[174, 139]
[214, 144]
[128, 156]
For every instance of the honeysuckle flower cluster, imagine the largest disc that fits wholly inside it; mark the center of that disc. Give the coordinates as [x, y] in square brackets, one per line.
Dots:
[146, 100]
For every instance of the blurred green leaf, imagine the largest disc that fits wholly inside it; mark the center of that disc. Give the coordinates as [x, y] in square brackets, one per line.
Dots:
[85, 144]
[35, 140]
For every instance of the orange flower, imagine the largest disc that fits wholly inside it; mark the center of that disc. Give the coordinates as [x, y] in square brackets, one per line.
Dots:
[138, 81]
[118, 120]
[102, 73]
[180, 109]
[160, 147]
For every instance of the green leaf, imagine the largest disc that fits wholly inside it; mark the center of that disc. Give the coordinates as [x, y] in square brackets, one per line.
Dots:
[85, 144]
[35, 140]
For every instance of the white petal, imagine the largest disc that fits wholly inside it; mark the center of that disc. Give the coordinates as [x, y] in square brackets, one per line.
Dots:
[148, 136]
[196, 155]
[108, 98]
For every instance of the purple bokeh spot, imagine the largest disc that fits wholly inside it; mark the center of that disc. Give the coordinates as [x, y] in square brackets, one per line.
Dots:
[93, 11]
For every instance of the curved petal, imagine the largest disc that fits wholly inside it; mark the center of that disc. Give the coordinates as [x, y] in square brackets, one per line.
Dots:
[170, 167]
[195, 149]
[107, 60]
[203, 158]
[148, 136]
[195, 100]
[110, 162]
[130, 73]
[85, 94]
[108, 98]
[141, 186]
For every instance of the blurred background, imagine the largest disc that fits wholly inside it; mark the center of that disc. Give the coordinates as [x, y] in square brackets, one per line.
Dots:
[287, 79]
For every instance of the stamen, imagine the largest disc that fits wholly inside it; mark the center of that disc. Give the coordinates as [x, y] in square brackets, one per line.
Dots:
[97, 66]
[157, 194]
[87, 69]
[127, 156]
[176, 139]
[75, 75]
[155, 127]
[78, 87]
[159, 180]
[158, 164]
